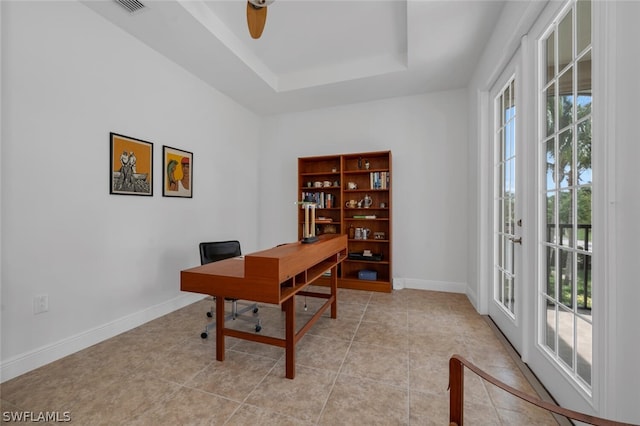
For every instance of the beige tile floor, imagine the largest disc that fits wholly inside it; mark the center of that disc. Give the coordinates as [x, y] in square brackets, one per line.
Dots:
[384, 361]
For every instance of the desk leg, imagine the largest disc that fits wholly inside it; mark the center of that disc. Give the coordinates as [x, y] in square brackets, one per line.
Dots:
[290, 336]
[220, 328]
[334, 292]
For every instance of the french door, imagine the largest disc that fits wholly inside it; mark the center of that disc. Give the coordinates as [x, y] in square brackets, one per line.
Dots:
[505, 304]
[564, 290]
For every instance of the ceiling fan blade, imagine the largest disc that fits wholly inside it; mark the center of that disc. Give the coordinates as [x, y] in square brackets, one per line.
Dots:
[256, 18]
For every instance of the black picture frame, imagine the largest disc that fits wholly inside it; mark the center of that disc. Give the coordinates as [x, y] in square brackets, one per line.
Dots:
[177, 172]
[130, 166]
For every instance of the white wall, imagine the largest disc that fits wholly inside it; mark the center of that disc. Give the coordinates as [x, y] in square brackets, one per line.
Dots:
[427, 137]
[107, 262]
[623, 280]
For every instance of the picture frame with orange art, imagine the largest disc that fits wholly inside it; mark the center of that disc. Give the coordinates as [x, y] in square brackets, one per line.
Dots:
[130, 166]
[177, 172]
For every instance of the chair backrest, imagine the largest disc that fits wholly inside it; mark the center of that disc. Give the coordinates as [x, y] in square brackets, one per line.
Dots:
[218, 250]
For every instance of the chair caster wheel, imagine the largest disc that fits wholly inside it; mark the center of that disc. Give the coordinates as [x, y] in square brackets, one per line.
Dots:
[209, 314]
[255, 310]
[204, 335]
[258, 328]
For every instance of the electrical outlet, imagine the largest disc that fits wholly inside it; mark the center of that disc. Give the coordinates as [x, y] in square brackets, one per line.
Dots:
[40, 303]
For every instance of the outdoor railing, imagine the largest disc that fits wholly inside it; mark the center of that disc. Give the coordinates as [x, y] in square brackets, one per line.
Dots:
[584, 243]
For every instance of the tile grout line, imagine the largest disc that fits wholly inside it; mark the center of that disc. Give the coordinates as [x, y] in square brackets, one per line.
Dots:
[524, 369]
[335, 379]
[408, 368]
[244, 401]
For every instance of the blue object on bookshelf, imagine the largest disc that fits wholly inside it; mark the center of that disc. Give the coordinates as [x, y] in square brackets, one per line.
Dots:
[366, 274]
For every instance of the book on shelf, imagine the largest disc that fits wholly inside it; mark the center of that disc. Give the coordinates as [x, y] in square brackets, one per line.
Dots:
[364, 216]
[379, 180]
[323, 200]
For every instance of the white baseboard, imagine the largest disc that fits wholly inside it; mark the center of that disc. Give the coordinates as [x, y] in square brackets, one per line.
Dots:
[473, 298]
[449, 287]
[31, 360]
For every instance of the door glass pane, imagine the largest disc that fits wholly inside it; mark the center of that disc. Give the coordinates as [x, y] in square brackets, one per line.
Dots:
[504, 226]
[565, 158]
[510, 135]
[551, 221]
[584, 351]
[505, 105]
[500, 106]
[499, 179]
[550, 57]
[584, 152]
[500, 254]
[508, 292]
[509, 190]
[584, 86]
[513, 98]
[508, 254]
[565, 87]
[583, 23]
[566, 277]
[565, 335]
[565, 41]
[550, 96]
[551, 271]
[584, 282]
[550, 324]
[584, 219]
[551, 163]
[565, 219]
[506, 179]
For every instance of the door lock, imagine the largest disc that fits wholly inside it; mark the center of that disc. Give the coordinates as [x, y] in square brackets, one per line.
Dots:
[515, 240]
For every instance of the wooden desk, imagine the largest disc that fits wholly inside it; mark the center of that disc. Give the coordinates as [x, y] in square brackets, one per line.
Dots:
[274, 276]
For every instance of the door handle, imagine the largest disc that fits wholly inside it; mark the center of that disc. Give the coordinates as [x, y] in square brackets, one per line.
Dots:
[517, 240]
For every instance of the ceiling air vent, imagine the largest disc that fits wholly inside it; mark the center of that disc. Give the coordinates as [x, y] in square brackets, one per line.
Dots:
[131, 5]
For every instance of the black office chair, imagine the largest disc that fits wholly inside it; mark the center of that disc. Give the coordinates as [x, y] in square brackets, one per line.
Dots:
[220, 250]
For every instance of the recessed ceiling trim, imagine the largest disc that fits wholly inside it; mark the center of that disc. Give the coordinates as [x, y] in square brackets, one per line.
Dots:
[316, 56]
[361, 68]
[212, 23]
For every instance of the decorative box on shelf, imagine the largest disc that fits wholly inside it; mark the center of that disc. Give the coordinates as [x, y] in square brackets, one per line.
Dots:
[329, 229]
[366, 274]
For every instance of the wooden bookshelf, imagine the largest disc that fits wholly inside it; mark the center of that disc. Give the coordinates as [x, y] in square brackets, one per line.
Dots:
[327, 180]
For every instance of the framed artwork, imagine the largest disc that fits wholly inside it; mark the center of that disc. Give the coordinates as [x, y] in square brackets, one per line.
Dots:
[130, 166]
[177, 171]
